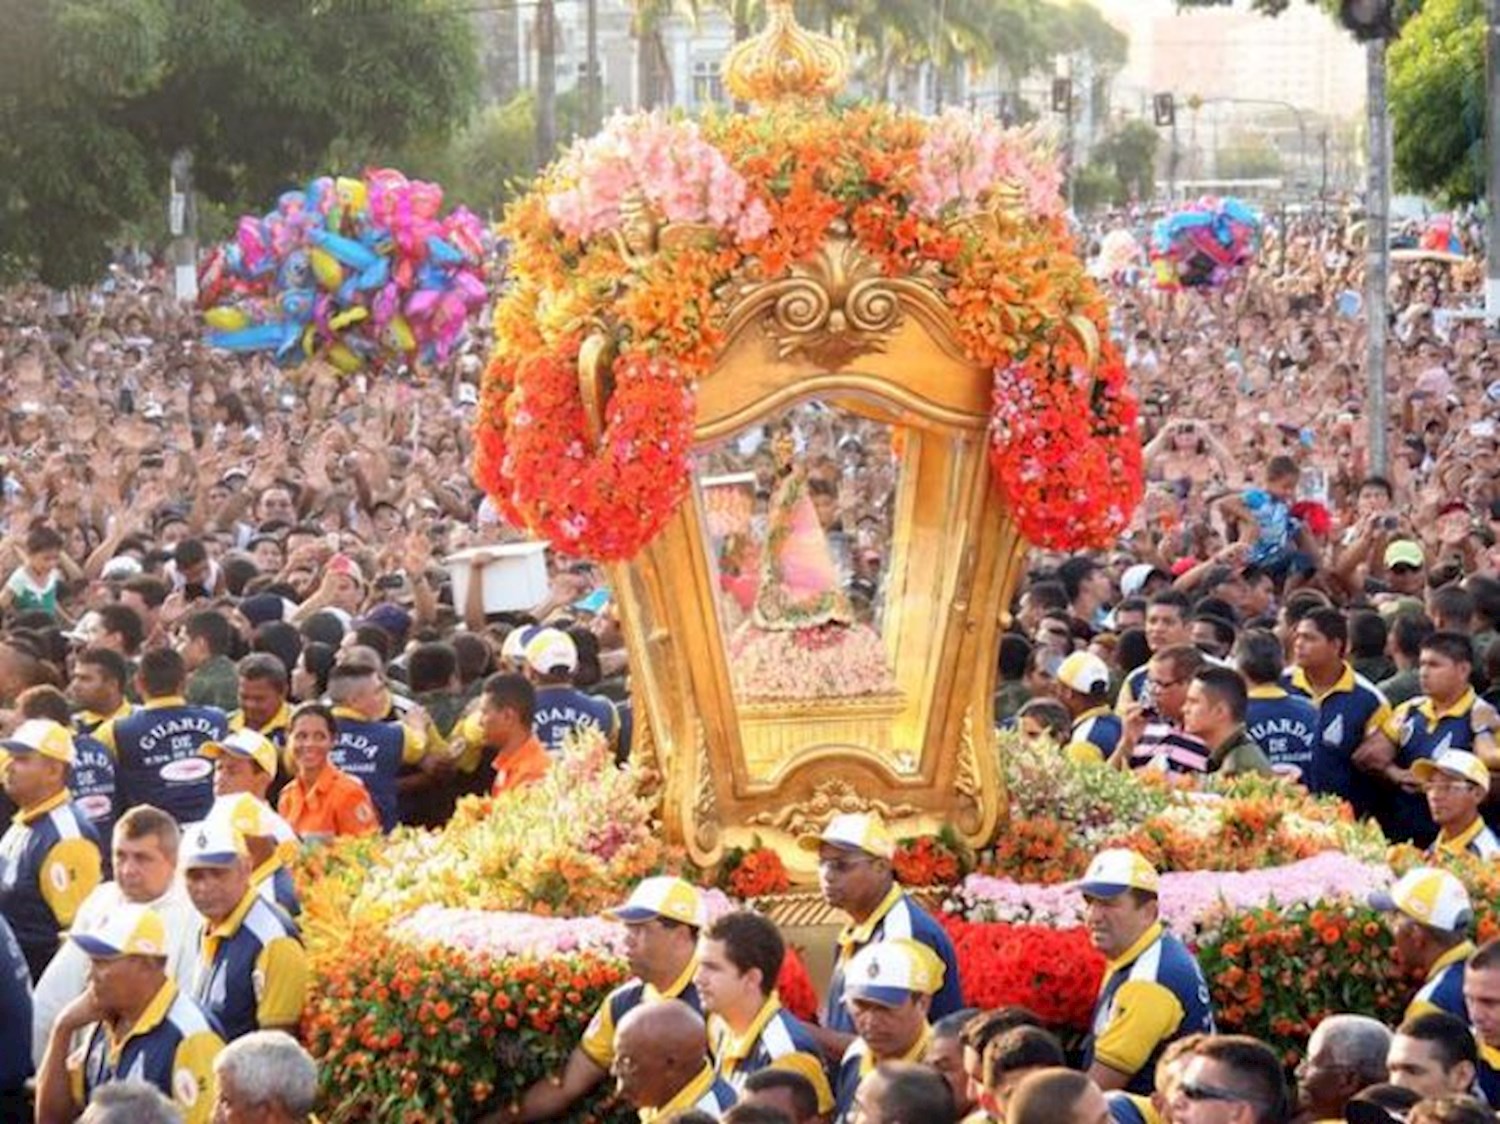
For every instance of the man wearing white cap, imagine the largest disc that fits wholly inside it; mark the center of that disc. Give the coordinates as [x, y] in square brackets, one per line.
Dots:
[1447, 715]
[145, 846]
[856, 876]
[49, 856]
[1083, 687]
[1153, 991]
[551, 659]
[1431, 929]
[888, 992]
[270, 844]
[662, 918]
[142, 1027]
[1456, 784]
[252, 970]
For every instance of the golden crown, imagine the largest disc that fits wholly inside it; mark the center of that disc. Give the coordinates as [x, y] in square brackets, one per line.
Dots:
[785, 62]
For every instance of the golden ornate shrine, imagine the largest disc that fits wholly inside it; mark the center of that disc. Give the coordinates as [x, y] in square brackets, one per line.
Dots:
[881, 350]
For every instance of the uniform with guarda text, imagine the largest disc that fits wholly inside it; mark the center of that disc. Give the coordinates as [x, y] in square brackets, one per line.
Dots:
[1348, 712]
[373, 753]
[157, 760]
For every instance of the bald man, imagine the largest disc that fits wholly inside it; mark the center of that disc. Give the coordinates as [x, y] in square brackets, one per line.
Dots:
[661, 1063]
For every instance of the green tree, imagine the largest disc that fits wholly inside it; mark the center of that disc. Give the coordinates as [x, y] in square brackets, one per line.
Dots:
[1248, 157]
[1131, 152]
[1437, 99]
[96, 96]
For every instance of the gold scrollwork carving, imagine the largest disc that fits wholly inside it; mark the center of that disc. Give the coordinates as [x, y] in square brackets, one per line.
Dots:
[966, 783]
[837, 306]
[830, 798]
[705, 801]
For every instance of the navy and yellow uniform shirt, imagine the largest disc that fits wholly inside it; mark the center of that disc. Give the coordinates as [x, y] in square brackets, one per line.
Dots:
[1152, 993]
[15, 1015]
[1478, 840]
[560, 710]
[373, 753]
[171, 1046]
[49, 862]
[859, 1062]
[157, 760]
[1489, 1073]
[1285, 726]
[1348, 713]
[706, 1092]
[1130, 1108]
[252, 970]
[599, 1037]
[1444, 987]
[896, 918]
[92, 778]
[775, 1039]
[1095, 735]
[1419, 730]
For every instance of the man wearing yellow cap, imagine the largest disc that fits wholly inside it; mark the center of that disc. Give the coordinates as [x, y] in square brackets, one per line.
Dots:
[662, 918]
[143, 1028]
[49, 857]
[1431, 919]
[1083, 687]
[856, 876]
[252, 970]
[1456, 784]
[888, 990]
[244, 768]
[1153, 990]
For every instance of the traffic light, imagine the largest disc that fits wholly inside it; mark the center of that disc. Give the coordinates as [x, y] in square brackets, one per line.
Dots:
[1062, 96]
[1164, 110]
[1368, 19]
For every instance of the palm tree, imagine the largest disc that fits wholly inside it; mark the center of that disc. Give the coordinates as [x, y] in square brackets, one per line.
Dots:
[654, 84]
[546, 81]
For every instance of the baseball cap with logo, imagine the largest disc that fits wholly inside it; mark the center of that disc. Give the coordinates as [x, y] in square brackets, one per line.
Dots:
[853, 831]
[663, 897]
[1404, 552]
[548, 649]
[513, 647]
[1454, 763]
[1135, 578]
[249, 816]
[214, 842]
[1084, 672]
[129, 929]
[1430, 896]
[43, 737]
[244, 743]
[890, 972]
[1116, 870]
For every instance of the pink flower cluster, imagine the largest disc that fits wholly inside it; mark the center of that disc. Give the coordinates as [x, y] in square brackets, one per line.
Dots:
[1189, 900]
[666, 163]
[966, 155]
[497, 933]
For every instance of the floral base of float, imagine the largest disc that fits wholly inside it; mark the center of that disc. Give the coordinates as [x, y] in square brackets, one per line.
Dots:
[453, 969]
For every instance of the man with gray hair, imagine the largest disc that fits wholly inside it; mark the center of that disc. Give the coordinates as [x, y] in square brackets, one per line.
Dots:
[129, 1102]
[1346, 1054]
[266, 1071]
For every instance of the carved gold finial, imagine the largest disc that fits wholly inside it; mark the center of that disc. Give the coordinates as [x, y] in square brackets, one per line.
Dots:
[785, 62]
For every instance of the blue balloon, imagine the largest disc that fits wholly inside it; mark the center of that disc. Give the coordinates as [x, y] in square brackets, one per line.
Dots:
[347, 251]
[260, 337]
[444, 252]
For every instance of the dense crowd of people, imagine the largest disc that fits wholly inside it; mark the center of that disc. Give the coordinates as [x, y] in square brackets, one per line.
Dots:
[229, 628]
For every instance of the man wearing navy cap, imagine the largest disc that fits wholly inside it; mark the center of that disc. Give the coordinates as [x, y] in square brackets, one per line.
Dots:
[1153, 990]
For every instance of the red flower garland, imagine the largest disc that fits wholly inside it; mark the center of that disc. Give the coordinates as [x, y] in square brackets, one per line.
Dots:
[608, 501]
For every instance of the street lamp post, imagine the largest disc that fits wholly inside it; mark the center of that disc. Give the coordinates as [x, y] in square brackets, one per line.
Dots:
[1378, 255]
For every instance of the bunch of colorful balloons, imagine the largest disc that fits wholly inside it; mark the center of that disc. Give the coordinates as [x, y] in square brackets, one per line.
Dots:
[361, 272]
[1204, 245]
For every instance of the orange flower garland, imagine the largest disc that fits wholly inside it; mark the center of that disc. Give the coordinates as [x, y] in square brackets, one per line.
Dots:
[758, 195]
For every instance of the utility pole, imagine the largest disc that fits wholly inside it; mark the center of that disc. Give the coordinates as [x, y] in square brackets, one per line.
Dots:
[546, 82]
[1492, 147]
[182, 224]
[593, 96]
[1378, 254]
